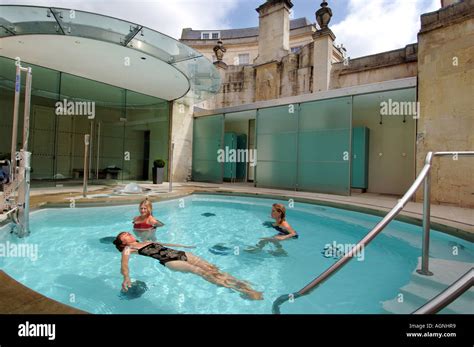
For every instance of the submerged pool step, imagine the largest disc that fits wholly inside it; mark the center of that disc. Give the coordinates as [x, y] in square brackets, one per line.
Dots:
[421, 288]
[420, 294]
[410, 304]
[445, 273]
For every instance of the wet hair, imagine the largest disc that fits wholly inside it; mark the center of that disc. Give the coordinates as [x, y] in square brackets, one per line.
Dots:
[118, 241]
[148, 205]
[281, 210]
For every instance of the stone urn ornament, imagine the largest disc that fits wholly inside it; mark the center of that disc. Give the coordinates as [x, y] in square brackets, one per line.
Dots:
[323, 15]
[219, 50]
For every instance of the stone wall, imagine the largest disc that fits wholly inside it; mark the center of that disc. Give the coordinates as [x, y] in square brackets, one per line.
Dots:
[399, 63]
[445, 93]
[182, 137]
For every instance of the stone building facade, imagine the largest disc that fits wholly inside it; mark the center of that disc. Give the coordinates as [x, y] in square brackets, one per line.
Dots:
[444, 91]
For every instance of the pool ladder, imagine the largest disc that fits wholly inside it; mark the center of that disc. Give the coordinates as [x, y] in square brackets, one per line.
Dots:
[435, 304]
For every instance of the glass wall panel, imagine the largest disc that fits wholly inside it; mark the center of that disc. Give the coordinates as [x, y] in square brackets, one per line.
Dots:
[277, 129]
[392, 138]
[146, 136]
[324, 146]
[208, 138]
[101, 103]
[128, 130]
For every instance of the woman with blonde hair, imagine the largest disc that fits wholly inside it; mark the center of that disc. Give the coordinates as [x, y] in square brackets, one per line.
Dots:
[285, 232]
[282, 226]
[144, 225]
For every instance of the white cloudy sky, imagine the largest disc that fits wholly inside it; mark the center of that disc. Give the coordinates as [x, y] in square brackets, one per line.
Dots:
[382, 26]
[363, 26]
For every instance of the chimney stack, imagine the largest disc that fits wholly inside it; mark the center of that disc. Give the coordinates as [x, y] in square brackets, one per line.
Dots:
[274, 31]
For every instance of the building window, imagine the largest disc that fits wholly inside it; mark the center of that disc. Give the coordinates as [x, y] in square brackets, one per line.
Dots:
[215, 35]
[244, 59]
[296, 49]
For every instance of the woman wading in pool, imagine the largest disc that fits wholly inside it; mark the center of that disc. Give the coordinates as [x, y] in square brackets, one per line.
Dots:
[177, 261]
[285, 231]
[144, 225]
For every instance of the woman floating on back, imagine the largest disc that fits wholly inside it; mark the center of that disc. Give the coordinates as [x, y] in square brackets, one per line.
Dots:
[178, 261]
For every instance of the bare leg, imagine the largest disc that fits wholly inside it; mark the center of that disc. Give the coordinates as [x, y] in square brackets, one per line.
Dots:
[216, 277]
[201, 263]
[210, 268]
[259, 246]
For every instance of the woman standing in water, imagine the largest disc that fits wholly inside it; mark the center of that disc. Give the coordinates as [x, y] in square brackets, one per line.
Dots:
[285, 232]
[144, 225]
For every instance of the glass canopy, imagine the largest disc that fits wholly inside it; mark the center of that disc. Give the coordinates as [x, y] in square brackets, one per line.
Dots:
[203, 77]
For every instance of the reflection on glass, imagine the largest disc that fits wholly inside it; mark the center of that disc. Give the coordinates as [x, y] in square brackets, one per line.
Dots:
[128, 131]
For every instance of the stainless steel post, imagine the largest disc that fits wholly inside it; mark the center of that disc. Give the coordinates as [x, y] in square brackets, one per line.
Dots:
[27, 155]
[425, 238]
[27, 168]
[91, 145]
[86, 165]
[170, 178]
[26, 114]
[98, 151]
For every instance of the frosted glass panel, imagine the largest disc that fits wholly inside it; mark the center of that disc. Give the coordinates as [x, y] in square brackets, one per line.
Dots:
[324, 146]
[128, 130]
[208, 139]
[277, 147]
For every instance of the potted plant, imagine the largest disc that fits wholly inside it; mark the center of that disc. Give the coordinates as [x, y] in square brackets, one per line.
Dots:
[158, 171]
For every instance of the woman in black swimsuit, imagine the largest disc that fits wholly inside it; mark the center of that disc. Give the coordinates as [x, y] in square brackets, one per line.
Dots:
[177, 261]
[285, 232]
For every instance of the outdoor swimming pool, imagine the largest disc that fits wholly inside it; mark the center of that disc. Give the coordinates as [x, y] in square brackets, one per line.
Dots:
[75, 268]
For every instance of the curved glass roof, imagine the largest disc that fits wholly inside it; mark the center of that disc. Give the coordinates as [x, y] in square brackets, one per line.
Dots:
[203, 77]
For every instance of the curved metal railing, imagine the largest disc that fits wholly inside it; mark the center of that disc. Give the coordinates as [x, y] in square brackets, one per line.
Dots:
[423, 176]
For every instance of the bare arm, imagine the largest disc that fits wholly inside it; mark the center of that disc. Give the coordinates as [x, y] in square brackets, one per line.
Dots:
[175, 245]
[155, 222]
[124, 269]
[291, 232]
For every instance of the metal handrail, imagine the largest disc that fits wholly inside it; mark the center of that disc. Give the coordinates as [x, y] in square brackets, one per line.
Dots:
[424, 173]
[447, 296]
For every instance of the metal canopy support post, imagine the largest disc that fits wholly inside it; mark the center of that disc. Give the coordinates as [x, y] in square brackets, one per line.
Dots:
[86, 164]
[170, 178]
[98, 152]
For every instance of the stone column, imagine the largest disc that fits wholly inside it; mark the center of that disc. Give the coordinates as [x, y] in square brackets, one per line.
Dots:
[322, 59]
[274, 31]
[182, 137]
[273, 45]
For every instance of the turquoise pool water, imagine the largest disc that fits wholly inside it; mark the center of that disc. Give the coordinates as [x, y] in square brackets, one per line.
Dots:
[75, 268]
